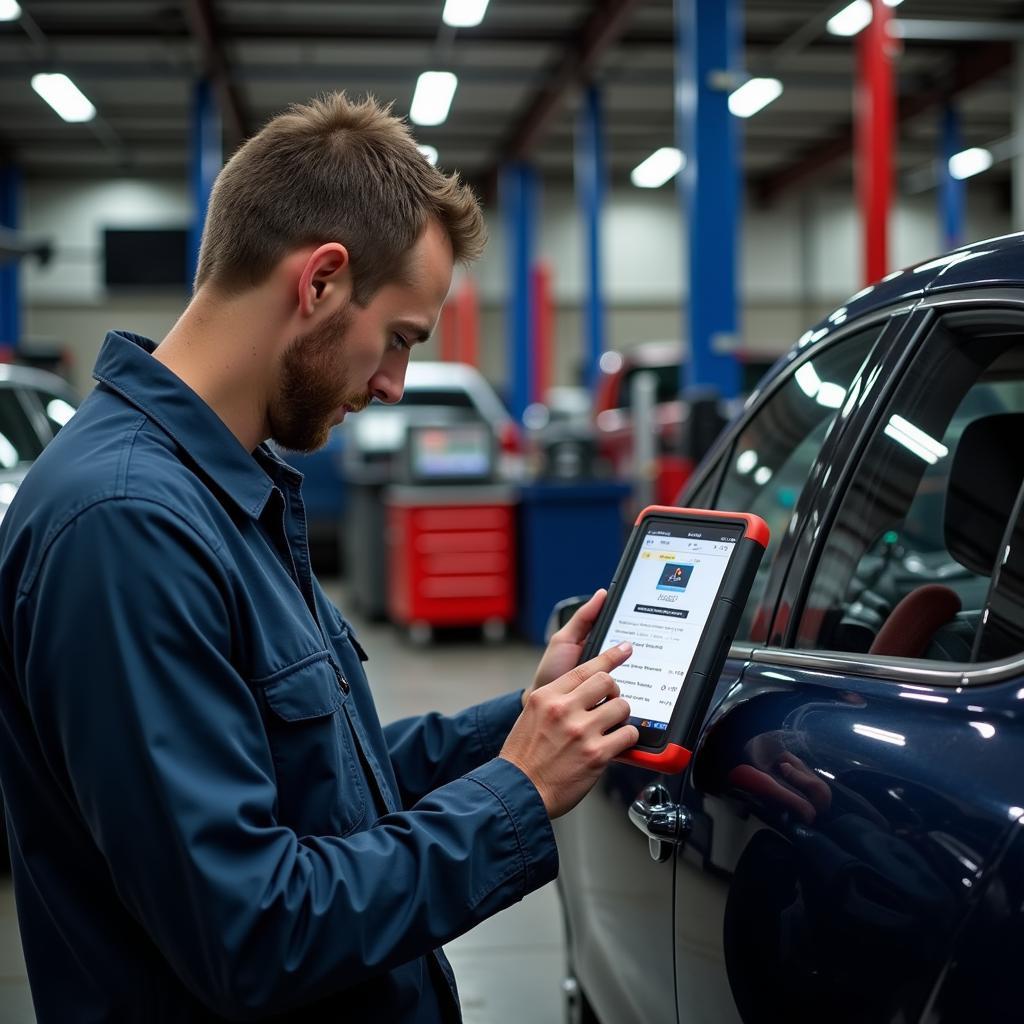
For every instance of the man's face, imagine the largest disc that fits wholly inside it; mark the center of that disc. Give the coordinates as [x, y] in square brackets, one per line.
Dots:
[360, 352]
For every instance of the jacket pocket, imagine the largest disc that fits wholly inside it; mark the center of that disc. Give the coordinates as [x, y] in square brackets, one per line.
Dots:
[320, 789]
[340, 630]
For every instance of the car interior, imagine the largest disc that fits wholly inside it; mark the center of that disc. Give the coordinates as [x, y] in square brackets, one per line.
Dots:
[922, 546]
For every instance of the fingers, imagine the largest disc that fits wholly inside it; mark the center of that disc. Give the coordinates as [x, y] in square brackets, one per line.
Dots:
[606, 662]
[592, 691]
[611, 713]
[619, 741]
[578, 628]
[798, 775]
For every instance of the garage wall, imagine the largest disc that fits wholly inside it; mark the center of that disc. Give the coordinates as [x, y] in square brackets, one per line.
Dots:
[799, 260]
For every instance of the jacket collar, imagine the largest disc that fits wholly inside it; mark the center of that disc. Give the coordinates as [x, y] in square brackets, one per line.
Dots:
[126, 365]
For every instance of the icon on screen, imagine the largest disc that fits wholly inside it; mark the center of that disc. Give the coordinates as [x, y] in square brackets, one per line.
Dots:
[675, 577]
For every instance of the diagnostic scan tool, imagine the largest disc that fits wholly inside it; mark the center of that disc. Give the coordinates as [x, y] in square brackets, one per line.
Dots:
[677, 597]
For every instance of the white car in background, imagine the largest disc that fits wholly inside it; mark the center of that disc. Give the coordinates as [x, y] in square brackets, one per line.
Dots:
[34, 405]
[435, 392]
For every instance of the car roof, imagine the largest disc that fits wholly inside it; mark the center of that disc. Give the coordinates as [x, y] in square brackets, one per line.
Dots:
[995, 261]
[425, 376]
[992, 261]
[28, 376]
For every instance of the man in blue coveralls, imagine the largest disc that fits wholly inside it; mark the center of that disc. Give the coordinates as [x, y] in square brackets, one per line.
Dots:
[207, 820]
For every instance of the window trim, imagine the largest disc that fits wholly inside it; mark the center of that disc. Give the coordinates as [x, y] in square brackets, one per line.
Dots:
[894, 670]
[959, 305]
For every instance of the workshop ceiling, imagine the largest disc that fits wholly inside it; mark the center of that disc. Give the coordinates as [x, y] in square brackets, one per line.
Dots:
[519, 79]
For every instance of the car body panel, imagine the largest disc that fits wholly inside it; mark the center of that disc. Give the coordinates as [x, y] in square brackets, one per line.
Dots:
[848, 876]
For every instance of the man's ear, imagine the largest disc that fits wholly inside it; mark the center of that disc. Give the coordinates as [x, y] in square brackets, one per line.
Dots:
[325, 281]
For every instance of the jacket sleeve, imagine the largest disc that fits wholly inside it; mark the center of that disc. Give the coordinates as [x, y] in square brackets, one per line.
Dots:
[124, 640]
[429, 750]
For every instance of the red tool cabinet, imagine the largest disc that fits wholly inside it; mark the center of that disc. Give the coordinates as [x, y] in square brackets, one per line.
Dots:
[451, 557]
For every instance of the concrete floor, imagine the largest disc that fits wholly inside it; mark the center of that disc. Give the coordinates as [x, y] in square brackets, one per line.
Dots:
[510, 968]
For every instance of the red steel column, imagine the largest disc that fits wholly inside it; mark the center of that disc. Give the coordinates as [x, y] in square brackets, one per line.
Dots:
[543, 327]
[467, 302]
[875, 124]
[449, 331]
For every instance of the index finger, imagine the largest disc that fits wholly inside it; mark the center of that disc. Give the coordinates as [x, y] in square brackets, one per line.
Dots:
[604, 662]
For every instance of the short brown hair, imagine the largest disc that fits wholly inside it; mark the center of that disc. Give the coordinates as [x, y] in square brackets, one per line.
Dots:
[333, 169]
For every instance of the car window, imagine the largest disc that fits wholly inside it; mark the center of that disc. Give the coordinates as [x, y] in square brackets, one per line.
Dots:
[772, 457]
[909, 561]
[437, 396]
[57, 409]
[666, 383]
[19, 440]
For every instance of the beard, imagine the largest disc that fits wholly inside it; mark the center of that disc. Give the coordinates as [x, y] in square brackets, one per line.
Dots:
[313, 386]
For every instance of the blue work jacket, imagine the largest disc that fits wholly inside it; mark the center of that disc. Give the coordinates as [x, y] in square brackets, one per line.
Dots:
[206, 819]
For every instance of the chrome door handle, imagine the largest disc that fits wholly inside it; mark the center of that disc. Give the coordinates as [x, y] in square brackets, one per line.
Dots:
[664, 823]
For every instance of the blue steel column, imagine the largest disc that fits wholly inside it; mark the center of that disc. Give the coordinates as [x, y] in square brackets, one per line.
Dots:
[206, 161]
[10, 276]
[518, 202]
[590, 188]
[708, 41]
[952, 191]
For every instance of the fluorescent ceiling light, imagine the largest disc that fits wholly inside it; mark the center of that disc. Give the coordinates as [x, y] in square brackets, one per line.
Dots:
[746, 461]
[60, 411]
[823, 392]
[433, 97]
[64, 96]
[754, 95]
[661, 165]
[9, 10]
[808, 380]
[854, 17]
[969, 162]
[915, 440]
[464, 13]
[851, 19]
[430, 152]
[831, 395]
[895, 738]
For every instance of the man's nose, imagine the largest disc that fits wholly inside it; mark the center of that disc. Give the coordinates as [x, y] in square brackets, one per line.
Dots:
[388, 388]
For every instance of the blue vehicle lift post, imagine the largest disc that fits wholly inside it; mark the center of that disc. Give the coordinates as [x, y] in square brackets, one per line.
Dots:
[10, 276]
[590, 188]
[206, 159]
[707, 48]
[518, 193]
[952, 191]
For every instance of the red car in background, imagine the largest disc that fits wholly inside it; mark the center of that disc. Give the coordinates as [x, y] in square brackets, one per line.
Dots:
[614, 421]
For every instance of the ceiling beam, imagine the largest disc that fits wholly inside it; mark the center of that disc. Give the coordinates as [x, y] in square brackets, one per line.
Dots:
[203, 23]
[974, 66]
[601, 30]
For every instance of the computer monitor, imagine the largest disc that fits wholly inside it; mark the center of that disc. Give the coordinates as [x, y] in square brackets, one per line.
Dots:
[450, 453]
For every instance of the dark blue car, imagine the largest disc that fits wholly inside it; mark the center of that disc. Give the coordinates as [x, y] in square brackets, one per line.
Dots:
[847, 844]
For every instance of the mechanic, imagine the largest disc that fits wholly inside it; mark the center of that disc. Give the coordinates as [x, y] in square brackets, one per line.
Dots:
[207, 819]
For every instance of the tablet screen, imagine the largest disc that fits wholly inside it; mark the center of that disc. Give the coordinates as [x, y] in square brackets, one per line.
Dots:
[663, 606]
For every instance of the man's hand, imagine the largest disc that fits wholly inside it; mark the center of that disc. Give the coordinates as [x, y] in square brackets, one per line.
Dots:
[566, 646]
[562, 739]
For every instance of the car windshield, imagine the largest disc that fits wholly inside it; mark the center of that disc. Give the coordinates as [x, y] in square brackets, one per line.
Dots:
[433, 396]
[19, 440]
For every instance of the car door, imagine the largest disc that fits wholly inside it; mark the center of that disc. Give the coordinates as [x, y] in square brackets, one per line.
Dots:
[618, 898]
[771, 465]
[853, 785]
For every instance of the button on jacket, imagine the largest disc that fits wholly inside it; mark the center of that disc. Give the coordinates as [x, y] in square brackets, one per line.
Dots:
[207, 820]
